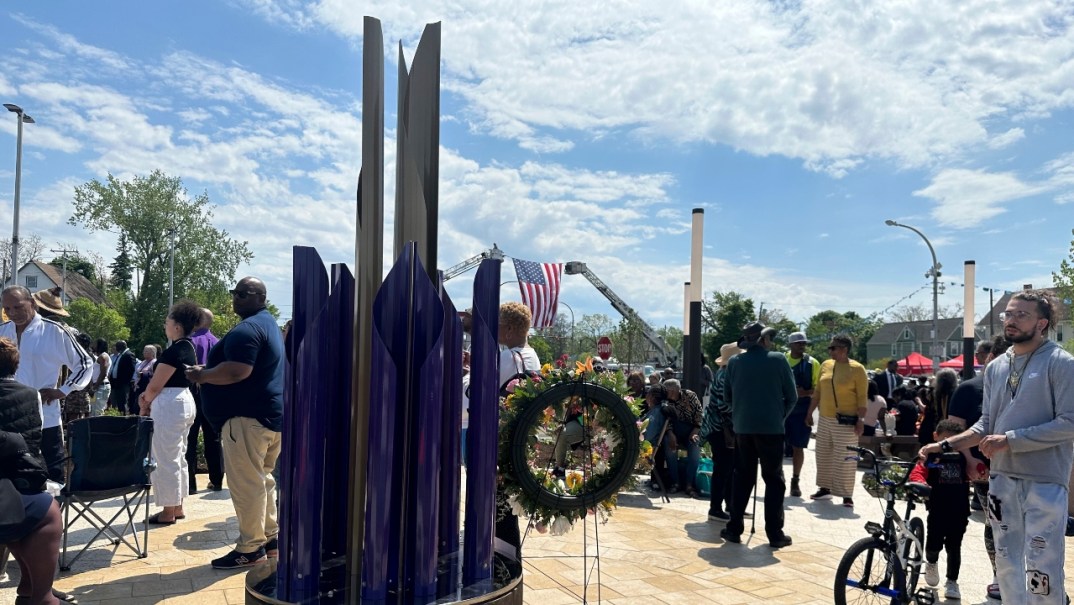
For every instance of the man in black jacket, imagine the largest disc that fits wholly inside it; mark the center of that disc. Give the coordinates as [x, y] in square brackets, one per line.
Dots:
[888, 380]
[120, 376]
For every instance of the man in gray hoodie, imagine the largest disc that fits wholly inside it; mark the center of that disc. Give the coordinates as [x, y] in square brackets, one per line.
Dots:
[1027, 430]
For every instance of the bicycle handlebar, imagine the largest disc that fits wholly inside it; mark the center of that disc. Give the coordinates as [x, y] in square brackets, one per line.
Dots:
[909, 466]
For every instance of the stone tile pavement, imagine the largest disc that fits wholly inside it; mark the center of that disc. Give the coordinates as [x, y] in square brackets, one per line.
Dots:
[650, 552]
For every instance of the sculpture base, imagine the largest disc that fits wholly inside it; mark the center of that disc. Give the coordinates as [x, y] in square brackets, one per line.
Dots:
[261, 590]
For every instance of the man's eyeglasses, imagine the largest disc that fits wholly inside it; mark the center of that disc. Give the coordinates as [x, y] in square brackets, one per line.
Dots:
[243, 294]
[1015, 315]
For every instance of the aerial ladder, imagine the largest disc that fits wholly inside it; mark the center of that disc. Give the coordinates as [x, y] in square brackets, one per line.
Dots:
[493, 253]
[666, 356]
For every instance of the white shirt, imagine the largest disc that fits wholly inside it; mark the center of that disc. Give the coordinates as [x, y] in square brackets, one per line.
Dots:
[45, 347]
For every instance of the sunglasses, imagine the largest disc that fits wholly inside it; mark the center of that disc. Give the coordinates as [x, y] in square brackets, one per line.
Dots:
[242, 294]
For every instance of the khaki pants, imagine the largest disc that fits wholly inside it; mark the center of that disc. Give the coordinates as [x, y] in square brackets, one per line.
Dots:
[250, 452]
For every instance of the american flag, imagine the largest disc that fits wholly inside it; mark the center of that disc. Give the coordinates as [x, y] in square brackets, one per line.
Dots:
[539, 283]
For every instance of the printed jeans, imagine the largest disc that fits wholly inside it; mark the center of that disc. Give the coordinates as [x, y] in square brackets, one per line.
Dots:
[1028, 521]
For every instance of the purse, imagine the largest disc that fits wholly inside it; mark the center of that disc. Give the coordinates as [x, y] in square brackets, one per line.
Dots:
[12, 511]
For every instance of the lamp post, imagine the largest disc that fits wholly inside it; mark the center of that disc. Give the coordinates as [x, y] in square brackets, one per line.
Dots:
[572, 321]
[171, 268]
[934, 272]
[23, 118]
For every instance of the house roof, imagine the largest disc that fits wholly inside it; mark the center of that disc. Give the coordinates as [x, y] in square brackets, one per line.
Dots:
[76, 285]
[889, 333]
[1062, 307]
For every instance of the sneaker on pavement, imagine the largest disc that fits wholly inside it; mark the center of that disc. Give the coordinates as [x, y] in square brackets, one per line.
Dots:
[932, 574]
[951, 591]
[796, 492]
[730, 537]
[236, 559]
[822, 494]
[993, 591]
[781, 541]
[720, 516]
[848, 502]
[272, 548]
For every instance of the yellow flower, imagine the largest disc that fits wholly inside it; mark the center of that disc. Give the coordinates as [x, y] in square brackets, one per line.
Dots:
[546, 369]
[574, 479]
[584, 367]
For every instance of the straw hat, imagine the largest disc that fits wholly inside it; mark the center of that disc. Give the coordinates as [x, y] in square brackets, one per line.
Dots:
[50, 301]
[727, 351]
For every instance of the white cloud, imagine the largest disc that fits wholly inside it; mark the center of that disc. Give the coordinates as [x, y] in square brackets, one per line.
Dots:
[828, 83]
[1006, 138]
[66, 43]
[967, 198]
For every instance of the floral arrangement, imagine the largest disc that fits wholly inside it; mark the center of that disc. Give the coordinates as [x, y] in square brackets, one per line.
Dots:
[890, 475]
[603, 433]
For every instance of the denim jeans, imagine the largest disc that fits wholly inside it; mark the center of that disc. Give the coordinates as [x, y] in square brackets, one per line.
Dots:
[682, 474]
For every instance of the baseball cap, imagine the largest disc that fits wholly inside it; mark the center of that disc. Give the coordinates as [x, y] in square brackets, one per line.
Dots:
[797, 337]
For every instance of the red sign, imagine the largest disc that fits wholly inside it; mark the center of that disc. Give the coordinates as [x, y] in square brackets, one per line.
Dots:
[604, 347]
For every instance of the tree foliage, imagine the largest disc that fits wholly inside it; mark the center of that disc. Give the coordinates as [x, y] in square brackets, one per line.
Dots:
[98, 321]
[146, 211]
[76, 263]
[31, 248]
[122, 272]
[923, 312]
[824, 325]
[723, 315]
[1064, 277]
[629, 344]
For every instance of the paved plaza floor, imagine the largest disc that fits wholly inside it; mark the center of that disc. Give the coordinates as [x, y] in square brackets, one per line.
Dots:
[650, 552]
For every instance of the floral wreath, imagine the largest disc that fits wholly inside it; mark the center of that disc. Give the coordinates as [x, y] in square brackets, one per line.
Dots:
[528, 425]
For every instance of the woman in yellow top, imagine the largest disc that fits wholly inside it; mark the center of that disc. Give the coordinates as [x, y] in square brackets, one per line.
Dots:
[842, 395]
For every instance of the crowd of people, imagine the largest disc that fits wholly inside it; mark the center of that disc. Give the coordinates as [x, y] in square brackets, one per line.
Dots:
[1002, 441]
[51, 375]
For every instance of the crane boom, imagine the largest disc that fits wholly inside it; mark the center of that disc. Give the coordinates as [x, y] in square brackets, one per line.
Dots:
[666, 356]
[493, 253]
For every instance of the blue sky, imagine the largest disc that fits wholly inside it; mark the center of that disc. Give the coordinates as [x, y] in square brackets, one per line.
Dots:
[585, 133]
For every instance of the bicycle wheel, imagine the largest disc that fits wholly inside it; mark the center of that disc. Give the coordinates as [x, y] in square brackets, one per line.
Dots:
[868, 573]
[913, 555]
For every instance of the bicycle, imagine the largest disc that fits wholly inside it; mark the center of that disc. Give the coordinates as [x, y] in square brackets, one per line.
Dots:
[887, 564]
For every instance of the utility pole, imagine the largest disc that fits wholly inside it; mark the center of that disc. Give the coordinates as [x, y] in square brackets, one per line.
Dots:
[63, 282]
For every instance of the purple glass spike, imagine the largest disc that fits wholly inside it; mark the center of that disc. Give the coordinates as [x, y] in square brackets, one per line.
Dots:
[450, 455]
[482, 435]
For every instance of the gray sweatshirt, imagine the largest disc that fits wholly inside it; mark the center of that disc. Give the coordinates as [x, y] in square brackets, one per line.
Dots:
[1038, 422]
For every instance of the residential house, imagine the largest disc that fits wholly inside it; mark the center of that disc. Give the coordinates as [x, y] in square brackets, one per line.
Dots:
[897, 340]
[39, 275]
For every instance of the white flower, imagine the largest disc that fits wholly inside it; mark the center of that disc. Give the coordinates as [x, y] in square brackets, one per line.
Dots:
[516, 507]
[561, 526]
[601, 467]
[611, 441]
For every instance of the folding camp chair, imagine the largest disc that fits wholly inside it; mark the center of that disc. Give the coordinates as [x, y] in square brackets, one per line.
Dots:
[109, 460]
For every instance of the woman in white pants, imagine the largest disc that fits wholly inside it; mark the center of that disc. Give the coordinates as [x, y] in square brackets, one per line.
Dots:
[168, 401]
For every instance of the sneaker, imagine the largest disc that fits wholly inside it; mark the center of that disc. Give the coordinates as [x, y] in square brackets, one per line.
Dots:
[822, 494]
[272, 548]
[975, 503]
[781, 541]
[730, 537]
[720, 516]
[796, 492]
[848, 502]
[993, 591]
[950, 590]
[236, 559]
[932, 574]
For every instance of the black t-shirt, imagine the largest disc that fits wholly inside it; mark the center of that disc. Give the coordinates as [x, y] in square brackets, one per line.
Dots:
[966, 404]
[178, 356]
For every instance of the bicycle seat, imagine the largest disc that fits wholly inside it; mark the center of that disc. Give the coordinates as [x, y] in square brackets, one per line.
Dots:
[921, 490]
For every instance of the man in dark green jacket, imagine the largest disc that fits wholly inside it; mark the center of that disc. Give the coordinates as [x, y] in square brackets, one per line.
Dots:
[760, 390]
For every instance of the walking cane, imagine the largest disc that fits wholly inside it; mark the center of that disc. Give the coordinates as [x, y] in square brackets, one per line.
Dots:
[656, 471]
[753, 519]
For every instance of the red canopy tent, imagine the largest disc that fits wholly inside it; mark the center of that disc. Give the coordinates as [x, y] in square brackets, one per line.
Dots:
[915, 363]
[956, 363]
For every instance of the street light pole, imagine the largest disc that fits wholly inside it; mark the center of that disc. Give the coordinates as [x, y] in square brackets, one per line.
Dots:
[935, 273]
[572, 322]
[22, 119]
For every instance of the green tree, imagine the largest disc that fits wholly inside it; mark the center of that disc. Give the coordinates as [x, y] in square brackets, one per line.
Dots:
[673, 338]
[97, 320]
[122, 272]
[723, 316]
[542, 347]
[1064, 277]
[824, 325]
[587, 330]
[777, 319]
[146, 211]
[629, 344]
[76, 263]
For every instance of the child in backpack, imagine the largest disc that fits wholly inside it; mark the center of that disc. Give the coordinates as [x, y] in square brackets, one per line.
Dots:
[948, 506]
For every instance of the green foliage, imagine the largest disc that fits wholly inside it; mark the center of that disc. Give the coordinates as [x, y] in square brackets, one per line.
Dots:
[98, 321]
[144, 212]
[122, 272]
[76, 263]
[1064, 277]
[722, 318]
[629, 344]
[824, 325]
[672, 336]
[543, 349]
